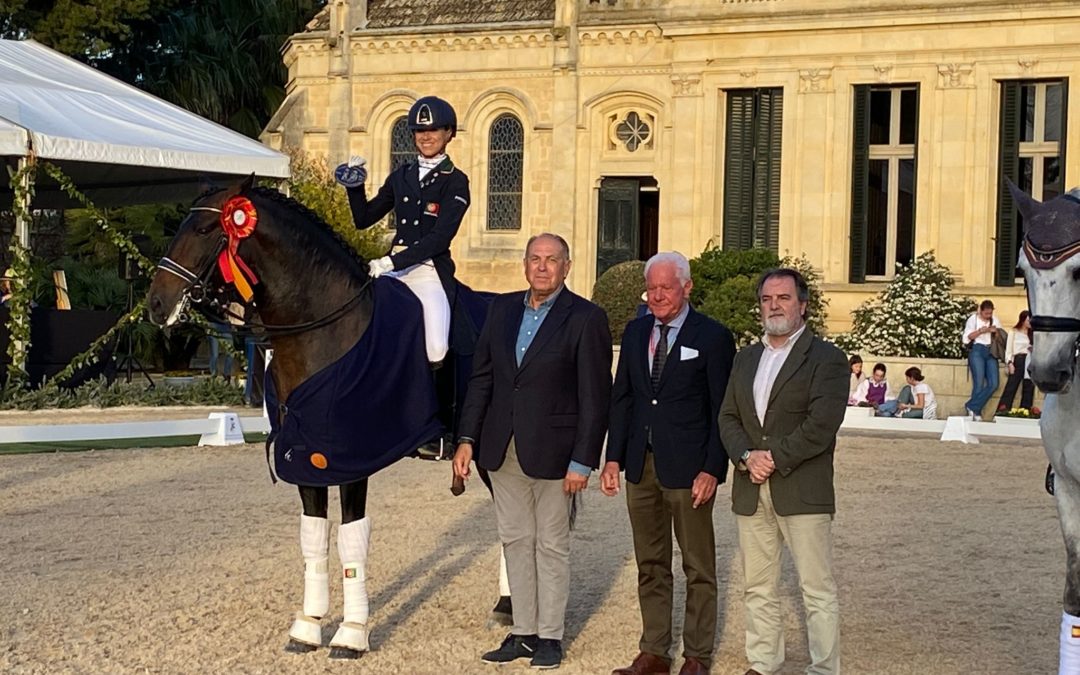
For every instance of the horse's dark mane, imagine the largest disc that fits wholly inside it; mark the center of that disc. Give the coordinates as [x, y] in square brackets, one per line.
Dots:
[313, 218]
[308, 215]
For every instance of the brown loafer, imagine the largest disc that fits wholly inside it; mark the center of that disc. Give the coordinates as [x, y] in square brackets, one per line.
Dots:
[693, 666]
[645, 664]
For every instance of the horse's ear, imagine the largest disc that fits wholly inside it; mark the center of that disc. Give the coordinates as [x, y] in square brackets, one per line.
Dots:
[1025, 203]
[248, 183]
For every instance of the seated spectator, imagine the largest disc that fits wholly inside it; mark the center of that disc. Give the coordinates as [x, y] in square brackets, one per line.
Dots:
[857, 377]
[917, 399]
[874, 392]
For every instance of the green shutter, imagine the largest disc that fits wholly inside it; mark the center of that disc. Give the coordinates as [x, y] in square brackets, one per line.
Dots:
[739, 170]
[915, 178]
[1009, 167]
[767, 145]
[860, 183]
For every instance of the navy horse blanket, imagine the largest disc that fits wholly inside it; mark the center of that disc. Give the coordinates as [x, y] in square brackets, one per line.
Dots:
[372, 407]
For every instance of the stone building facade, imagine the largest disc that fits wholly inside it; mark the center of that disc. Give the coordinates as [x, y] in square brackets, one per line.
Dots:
[859, 133]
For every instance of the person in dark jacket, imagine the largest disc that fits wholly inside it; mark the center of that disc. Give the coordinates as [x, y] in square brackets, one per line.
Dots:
[672, 375]
[429, 197]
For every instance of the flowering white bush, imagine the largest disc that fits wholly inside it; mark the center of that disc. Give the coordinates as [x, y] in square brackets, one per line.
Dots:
[916, 315]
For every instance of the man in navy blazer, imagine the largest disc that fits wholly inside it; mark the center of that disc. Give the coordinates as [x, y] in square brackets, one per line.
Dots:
[672, 375]
[535, 416]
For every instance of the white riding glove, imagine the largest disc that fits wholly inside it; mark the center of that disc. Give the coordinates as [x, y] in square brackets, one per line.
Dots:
[380, 266]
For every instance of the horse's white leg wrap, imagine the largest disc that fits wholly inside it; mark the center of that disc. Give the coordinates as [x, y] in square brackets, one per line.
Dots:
[504, 581]
[315, 546]
[353, 543]
[1070, 645]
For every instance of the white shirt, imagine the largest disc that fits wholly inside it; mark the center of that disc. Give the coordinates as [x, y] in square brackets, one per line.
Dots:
[974, 322]
[674, 326]
[929, 410]
[772, 360]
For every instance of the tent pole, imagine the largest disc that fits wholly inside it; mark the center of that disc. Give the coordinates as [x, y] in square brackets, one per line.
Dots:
[22, 222]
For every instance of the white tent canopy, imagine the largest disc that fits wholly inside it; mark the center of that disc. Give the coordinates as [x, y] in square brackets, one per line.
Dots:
[119, 144]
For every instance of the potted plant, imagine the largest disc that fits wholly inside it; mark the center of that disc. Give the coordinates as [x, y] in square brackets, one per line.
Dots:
[1019, 416]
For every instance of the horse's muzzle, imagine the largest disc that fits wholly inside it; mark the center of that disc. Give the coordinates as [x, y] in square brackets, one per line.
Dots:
[1053, 382]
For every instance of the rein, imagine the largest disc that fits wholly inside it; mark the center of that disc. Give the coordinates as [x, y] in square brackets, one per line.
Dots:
[195, 294]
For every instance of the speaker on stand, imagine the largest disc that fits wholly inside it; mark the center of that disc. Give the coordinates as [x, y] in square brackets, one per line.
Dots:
[129, 271]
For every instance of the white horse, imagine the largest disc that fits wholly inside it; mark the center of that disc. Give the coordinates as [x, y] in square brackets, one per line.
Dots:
[1051, 270]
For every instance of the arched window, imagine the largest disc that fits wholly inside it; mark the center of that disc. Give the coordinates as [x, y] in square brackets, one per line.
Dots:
[505, 151]
[402, 148]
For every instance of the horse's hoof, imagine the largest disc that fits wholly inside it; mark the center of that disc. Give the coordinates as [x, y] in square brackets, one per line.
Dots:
[344, 653]
[294, 647]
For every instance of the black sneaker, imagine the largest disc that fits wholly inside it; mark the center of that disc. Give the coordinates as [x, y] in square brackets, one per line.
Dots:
[513, 647]
[548, 654]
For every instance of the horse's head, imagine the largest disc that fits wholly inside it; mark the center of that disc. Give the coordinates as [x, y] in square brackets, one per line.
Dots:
[185, 274]
[1051, 269]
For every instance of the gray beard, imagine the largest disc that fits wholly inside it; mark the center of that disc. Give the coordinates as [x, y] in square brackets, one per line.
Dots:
[780, 325]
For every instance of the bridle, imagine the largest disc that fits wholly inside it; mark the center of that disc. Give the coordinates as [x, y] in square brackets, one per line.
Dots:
[200, 293]
[1046, 259]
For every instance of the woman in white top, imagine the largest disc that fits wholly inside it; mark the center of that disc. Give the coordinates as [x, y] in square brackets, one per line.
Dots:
[924, 403]
[978, 331]
[1016, 352]
[857, 377]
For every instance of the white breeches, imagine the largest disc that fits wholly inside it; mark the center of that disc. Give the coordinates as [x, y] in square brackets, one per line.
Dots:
[424, 282]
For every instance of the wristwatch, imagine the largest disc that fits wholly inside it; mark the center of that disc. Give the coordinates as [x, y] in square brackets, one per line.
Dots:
[745, 456]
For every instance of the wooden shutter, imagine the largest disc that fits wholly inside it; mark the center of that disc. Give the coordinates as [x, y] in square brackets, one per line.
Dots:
[618, 227]
[767, 145]
[860, 184]
[1009, 167]
[739, 170]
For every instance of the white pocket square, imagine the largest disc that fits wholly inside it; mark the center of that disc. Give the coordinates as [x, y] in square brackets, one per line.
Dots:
[687, 353]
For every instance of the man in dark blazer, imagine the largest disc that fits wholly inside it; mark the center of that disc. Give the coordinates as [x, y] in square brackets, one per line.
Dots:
[534, 417]
[672, 374]
[783, 407]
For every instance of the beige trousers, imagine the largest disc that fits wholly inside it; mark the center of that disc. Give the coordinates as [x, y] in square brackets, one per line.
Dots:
[533, 516]
[809, 538]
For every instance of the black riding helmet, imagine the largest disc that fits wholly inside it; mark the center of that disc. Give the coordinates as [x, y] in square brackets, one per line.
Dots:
[431, 112]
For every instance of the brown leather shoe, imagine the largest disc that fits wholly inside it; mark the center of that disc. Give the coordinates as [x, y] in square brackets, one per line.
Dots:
[751, 672]
[645, 664]
[693, 666]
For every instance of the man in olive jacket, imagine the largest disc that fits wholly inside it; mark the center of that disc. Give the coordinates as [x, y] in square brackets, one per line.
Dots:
[783, 406]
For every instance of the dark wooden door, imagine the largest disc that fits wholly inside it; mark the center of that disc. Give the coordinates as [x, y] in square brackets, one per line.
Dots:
[618, 229]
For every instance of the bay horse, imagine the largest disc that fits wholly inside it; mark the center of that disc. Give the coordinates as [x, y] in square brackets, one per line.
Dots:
[1051, 269]
[317, 304]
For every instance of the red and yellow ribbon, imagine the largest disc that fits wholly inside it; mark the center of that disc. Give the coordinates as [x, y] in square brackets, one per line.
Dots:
[238, 219]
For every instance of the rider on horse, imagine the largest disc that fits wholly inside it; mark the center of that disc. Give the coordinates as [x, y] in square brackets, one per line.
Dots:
[429, 198]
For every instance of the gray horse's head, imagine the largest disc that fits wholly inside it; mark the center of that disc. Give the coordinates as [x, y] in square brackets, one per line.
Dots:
[1051, 269]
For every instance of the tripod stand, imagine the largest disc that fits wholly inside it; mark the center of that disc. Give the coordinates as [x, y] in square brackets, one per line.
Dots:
[128, 361]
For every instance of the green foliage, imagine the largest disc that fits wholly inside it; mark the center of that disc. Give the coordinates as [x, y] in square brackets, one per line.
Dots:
[725, 288]
[916, 315]
[101, 394]
[618, 291]
[221, 60]
[312, 184]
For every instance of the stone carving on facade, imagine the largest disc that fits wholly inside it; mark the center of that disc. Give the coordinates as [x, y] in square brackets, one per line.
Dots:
[686, 84]
[815, 80]
[956, 75]
[620, 37]
[631, 131]
[884, 72]
[748, 73]
[1027, 64]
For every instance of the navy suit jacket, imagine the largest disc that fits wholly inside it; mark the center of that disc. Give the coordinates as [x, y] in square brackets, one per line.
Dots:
[555, 405]
[682, 412]
[427, 214]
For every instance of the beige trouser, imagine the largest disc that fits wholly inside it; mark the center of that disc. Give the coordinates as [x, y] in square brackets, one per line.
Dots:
[809, 538]
[424, 282]
[533, 516]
